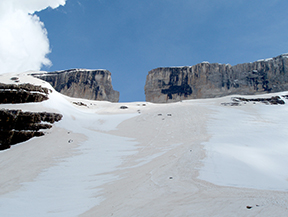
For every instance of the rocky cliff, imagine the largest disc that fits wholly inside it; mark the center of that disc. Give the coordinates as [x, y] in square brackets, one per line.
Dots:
[82, 83]
[17, 126]
[205, 80]
[22, 93]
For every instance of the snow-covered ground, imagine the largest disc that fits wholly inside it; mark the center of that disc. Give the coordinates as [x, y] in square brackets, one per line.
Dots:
[191, 158]
[248, 147]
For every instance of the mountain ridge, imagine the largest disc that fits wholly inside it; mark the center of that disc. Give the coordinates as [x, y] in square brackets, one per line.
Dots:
[210, 80]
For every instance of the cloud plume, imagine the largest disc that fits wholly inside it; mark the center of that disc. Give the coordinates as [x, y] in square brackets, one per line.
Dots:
[24, 44]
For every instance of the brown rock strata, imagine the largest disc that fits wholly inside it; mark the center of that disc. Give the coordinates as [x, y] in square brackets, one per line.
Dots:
[17, 126]
[22, 93]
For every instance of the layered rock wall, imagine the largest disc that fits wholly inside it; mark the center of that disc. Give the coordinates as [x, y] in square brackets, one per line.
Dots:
[82, 83]
[22, 93]
[205, 80]
[17, 126]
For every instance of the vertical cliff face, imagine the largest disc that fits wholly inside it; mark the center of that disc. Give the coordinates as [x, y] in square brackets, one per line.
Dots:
[205, 80]
[82, 83]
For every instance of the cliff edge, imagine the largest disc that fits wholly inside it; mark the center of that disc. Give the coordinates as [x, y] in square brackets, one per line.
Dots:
[205, 80]
[82, 83]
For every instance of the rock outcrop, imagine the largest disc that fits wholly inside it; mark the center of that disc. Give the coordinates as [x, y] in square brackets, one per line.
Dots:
[17, 126]
[237, 101]
[82, 83]
[205, 80]
[22, 93]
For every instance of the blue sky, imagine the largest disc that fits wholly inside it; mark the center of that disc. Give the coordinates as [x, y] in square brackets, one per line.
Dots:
[131, 37]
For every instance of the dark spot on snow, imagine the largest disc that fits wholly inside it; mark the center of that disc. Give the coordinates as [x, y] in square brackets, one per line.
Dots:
[230, 103]
[14, 78]
[123, 107]
[249, 207]
[79, 103]
[170, 177]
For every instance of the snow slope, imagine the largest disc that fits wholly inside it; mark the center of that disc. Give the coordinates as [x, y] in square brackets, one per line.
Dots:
[191, 158]
[248, 147]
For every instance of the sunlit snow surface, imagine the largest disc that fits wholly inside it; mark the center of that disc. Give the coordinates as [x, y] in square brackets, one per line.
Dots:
[70, 187]
[248, 147]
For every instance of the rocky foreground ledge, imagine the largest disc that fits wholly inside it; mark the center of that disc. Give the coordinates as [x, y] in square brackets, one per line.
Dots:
[17, 126]
[82, 83]
[206, 80]
[22, 93]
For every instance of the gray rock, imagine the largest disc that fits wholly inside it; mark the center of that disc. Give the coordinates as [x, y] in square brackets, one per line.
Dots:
[237, 101]
[82, 83]
[22, 93]
[205, 80]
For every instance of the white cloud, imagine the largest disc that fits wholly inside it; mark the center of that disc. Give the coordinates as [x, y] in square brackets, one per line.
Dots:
[23, 38]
